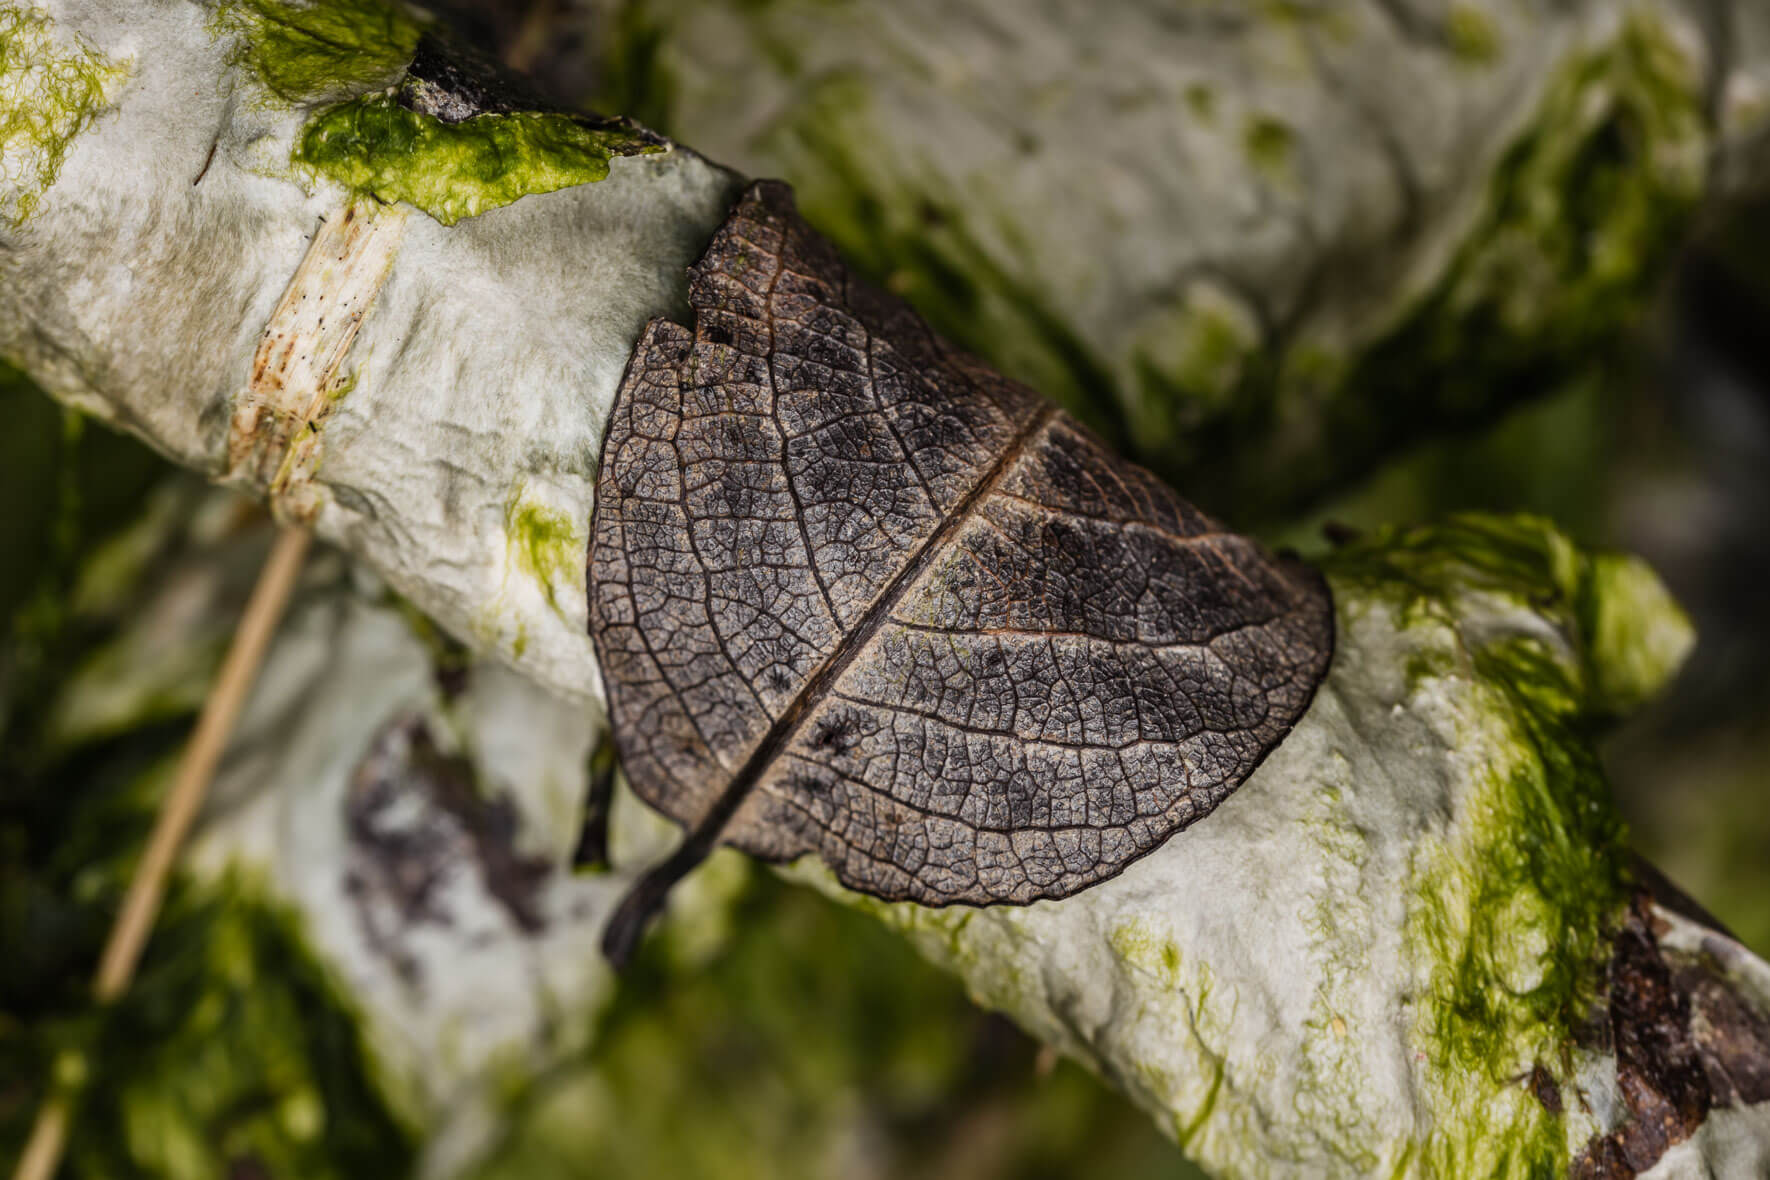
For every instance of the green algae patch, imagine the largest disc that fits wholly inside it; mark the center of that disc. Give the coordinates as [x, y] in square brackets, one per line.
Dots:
[1582, 213]
[1427, 568]
[1514, 900]
[1511, 915]
[1271, 145]
[453, 171]
[1638, 635]
[233, 1053]
[1199, 351]
[1138, 944]
[52, 88]
[546, 546]
[325, 49]
[1471, 35]
[1562, 236]
[1622, 625]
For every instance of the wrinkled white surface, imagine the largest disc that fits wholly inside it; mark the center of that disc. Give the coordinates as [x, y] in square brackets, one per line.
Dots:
[452, 994]
[484, 373]
[457, 998]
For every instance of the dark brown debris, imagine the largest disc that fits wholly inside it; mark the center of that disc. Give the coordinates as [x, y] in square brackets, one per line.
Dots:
[1685, 1042]
[1544, 1088]
[417, 818]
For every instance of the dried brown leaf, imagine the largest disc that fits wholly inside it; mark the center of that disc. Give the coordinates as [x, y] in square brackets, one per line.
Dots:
[856, 595]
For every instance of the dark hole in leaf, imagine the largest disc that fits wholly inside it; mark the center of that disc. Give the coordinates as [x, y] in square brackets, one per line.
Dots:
[835, 734]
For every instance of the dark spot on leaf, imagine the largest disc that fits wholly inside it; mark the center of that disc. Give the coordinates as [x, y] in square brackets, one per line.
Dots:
[811, 785]
[835, 734]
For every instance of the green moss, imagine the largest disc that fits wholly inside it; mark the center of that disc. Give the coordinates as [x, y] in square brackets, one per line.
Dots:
[324, 49]
[545, 545]
[52, 88]
[1270, 145]
[1605, 604]
[231, 1054]
[1513, 910]
[1638, 635]
[1472, 35]
[1427, 567]
[371, 144]
[1581, 214]
[451, 171]
[1514, 900]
